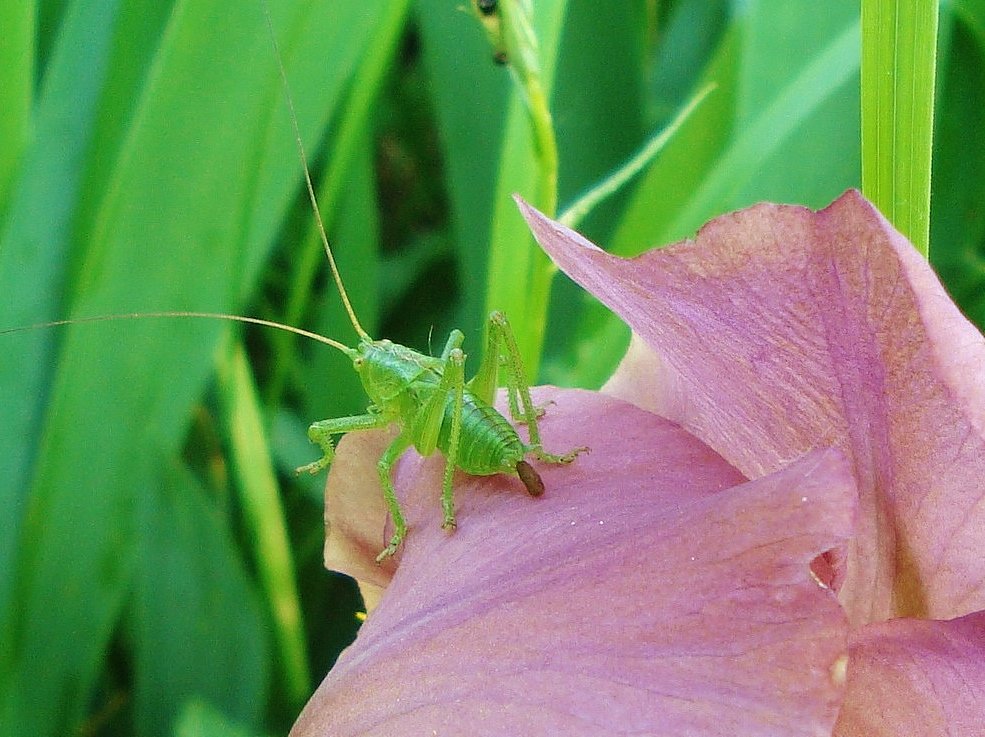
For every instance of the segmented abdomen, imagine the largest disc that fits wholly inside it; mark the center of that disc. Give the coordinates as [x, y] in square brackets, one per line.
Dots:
[487, 443]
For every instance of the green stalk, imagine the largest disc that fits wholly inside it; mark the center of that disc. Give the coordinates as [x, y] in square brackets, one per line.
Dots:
[519, 273]
[523, 43]
[522, 51]
[899, 52]
[580, 208]
[264, 516]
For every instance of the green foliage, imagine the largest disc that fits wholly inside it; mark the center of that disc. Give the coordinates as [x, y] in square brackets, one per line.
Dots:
[899, 43]
[957, 223]
[159, 564]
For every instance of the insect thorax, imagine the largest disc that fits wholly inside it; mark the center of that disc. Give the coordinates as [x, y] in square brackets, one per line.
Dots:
[397, 379]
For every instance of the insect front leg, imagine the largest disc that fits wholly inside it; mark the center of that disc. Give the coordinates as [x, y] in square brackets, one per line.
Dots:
[321, 433]
[501, 348]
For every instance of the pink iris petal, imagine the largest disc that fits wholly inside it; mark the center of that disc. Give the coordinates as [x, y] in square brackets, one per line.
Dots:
[779, 330]
[355, 513]
[916, 677]
[651, 590]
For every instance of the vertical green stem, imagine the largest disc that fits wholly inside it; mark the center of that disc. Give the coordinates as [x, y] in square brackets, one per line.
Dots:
[264, 515]
[540, 268]
[520, 274]
[899, 50]
[546, 144]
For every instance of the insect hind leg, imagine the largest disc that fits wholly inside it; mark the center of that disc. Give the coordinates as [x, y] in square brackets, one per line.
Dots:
[502, 349]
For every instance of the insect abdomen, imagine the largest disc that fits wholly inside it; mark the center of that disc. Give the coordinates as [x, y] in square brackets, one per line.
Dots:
[487, 444]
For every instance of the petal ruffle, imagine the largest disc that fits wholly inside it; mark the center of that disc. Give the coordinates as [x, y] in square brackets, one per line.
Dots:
[779, 330]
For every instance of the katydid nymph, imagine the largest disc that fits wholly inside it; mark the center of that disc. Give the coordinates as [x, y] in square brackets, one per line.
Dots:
[436, 408]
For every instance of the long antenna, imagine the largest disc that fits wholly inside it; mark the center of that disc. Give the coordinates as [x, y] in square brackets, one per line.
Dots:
[206, 315]
[307, 180]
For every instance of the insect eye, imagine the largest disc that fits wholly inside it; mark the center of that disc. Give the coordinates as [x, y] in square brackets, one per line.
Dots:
[486, 7]
[357, 362]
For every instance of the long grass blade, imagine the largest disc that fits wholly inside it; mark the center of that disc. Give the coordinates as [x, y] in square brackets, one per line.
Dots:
[899, 60]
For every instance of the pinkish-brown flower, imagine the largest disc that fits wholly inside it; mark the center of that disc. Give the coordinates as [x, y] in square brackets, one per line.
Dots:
[803, 407]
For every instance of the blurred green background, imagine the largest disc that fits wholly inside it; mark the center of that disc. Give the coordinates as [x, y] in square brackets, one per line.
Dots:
[160, 565]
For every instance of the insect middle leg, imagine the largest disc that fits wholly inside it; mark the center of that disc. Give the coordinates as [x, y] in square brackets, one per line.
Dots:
[385, 467]
[452, 385]
[448, 396]
[454, 381]
[501, 349]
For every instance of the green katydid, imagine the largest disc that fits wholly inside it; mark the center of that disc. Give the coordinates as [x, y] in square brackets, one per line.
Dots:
[436, 408]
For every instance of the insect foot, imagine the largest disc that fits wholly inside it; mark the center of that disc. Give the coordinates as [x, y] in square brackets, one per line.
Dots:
[315, 466]
[390, 549]
[322, 436]
[568, 457]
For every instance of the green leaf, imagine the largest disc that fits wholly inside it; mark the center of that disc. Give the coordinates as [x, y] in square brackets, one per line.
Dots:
[957, 229]
[200, 719]
[749, 141]
[756, 163]
[196, 620]
[33, 253]
[16, 88]
[899, 55]
[264, 516]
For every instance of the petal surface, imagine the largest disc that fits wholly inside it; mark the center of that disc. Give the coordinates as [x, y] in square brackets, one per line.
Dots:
[650, 590]
[778, 330]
